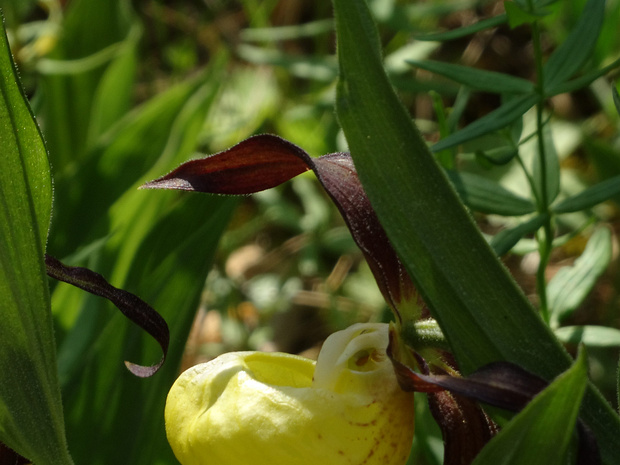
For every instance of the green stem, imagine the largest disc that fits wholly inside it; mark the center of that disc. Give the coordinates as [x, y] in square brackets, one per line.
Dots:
[530, 179]
[545, 239]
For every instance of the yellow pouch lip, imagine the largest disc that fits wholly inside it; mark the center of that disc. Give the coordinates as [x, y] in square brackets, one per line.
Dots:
[268, 403]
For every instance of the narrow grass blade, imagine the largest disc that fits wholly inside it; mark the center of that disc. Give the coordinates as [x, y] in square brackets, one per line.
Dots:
[582, 81]
[478, 79]
[272, 34]
[571, 55]
[486, 196]
[505, 240]
[497, 119]
[465, 31]
[590, 197]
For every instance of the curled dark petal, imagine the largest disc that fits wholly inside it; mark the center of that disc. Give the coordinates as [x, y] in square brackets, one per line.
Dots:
[500, 384]
[130, 305]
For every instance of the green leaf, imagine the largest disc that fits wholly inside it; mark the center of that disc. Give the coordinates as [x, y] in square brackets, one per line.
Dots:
[571, 284]
[497, 119]
[119, 158]
[498, 156]
[551, 183]
[591, 336]
[31, 416]
[308, 67]
[517, 16]
[467, 289]
[113, 97]
[464, 31]
[571, 55]
[478, 79]
[90, 28]
[271, 34]
[505, 240]
[80, 65]
[548, 419]
[582, 81]
[481, 311]
[590, 197]
[486, 196]
[616, 96]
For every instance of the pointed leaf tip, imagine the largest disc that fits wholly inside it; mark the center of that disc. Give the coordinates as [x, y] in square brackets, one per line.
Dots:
[256, 164]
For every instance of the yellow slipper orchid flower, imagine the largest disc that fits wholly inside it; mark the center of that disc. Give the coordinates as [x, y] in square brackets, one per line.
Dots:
[275, 409]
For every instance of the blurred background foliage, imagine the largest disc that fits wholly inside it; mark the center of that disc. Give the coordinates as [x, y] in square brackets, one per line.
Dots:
[125, 91]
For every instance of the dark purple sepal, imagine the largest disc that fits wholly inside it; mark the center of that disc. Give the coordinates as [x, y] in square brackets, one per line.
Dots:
[265, 161]
[258, 163]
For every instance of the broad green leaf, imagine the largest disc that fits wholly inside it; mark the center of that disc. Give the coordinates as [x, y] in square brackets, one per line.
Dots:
[551, 182]
[571, 55]
[31, 416]
[464, 31]
[478, 79]
[497, 119]
[571, 284]
[505, 240]
[616, 99]
[486, 196]
[590, 197]
[591, 336]
[548, 419]
[483, 314]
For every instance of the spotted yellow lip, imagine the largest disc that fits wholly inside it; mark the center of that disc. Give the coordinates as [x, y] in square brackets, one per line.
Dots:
[275, 408]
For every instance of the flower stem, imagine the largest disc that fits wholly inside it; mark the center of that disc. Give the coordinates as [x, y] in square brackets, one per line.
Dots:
[545, 237]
